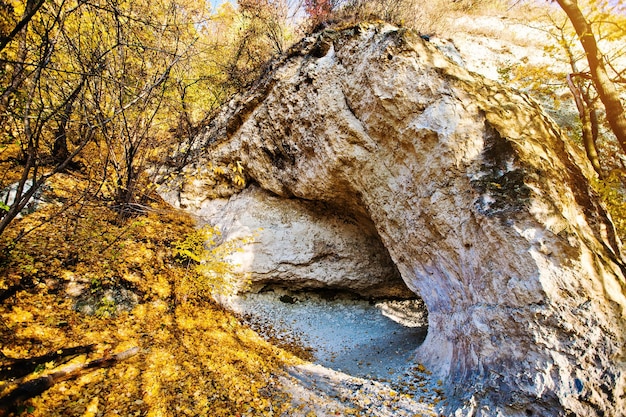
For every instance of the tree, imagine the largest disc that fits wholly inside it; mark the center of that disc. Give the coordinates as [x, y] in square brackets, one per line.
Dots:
[581, 88]
[91, 80]
[608, 94]
[129, 108]
[262, 32]
[35, 97]
[31, 8]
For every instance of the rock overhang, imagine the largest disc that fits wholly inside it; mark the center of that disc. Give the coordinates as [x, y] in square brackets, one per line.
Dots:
[300, 245]
[455, 173]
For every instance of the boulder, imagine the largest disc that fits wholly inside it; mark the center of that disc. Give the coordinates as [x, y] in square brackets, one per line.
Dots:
[484, 207]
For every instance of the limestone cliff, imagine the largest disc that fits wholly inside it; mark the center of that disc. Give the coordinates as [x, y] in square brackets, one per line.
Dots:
[482, 205]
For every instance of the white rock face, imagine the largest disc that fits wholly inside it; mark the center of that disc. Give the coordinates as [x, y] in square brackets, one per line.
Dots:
[300, 245]
[484, 208]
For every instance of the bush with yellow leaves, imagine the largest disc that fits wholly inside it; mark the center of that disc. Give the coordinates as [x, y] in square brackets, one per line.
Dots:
[205, 257]
[613, 196]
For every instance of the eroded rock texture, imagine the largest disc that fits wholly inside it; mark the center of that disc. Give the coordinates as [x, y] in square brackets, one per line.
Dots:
[486, 211]
[302, 245]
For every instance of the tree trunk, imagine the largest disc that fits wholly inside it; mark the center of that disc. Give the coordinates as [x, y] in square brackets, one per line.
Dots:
[615, 114]
[588, 120]
[32, 7]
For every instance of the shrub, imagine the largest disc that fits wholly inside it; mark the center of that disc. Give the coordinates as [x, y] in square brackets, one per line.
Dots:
[206, 256]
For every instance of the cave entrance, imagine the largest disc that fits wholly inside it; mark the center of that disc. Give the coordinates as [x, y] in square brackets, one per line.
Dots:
[319, 279]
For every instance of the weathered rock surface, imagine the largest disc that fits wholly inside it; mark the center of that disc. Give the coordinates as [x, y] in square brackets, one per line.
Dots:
[303, 245]
[484, 208]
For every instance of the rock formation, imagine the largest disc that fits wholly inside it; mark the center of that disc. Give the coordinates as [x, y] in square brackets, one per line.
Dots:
[483, 207]
[302, 245]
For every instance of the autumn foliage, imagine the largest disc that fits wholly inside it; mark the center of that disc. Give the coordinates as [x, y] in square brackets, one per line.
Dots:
[95, 97]
[318, 10]
[89, 279]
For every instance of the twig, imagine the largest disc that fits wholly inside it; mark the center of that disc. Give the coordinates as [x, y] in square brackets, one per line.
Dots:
[17, 368]
[39, 385]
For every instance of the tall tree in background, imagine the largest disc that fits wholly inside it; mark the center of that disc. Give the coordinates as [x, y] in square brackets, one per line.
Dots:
[146, 40]
[608, 94]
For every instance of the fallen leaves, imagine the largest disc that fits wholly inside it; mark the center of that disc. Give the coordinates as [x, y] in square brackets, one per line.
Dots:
[195, 358]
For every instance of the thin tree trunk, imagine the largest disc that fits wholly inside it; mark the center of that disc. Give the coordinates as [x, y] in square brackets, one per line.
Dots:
[615, 114]
[32, 7]
[60, 151]
[588, 123]
[594, 124]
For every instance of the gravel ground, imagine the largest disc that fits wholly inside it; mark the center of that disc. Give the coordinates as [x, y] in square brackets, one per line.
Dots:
[360, 351]
[358, 337]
